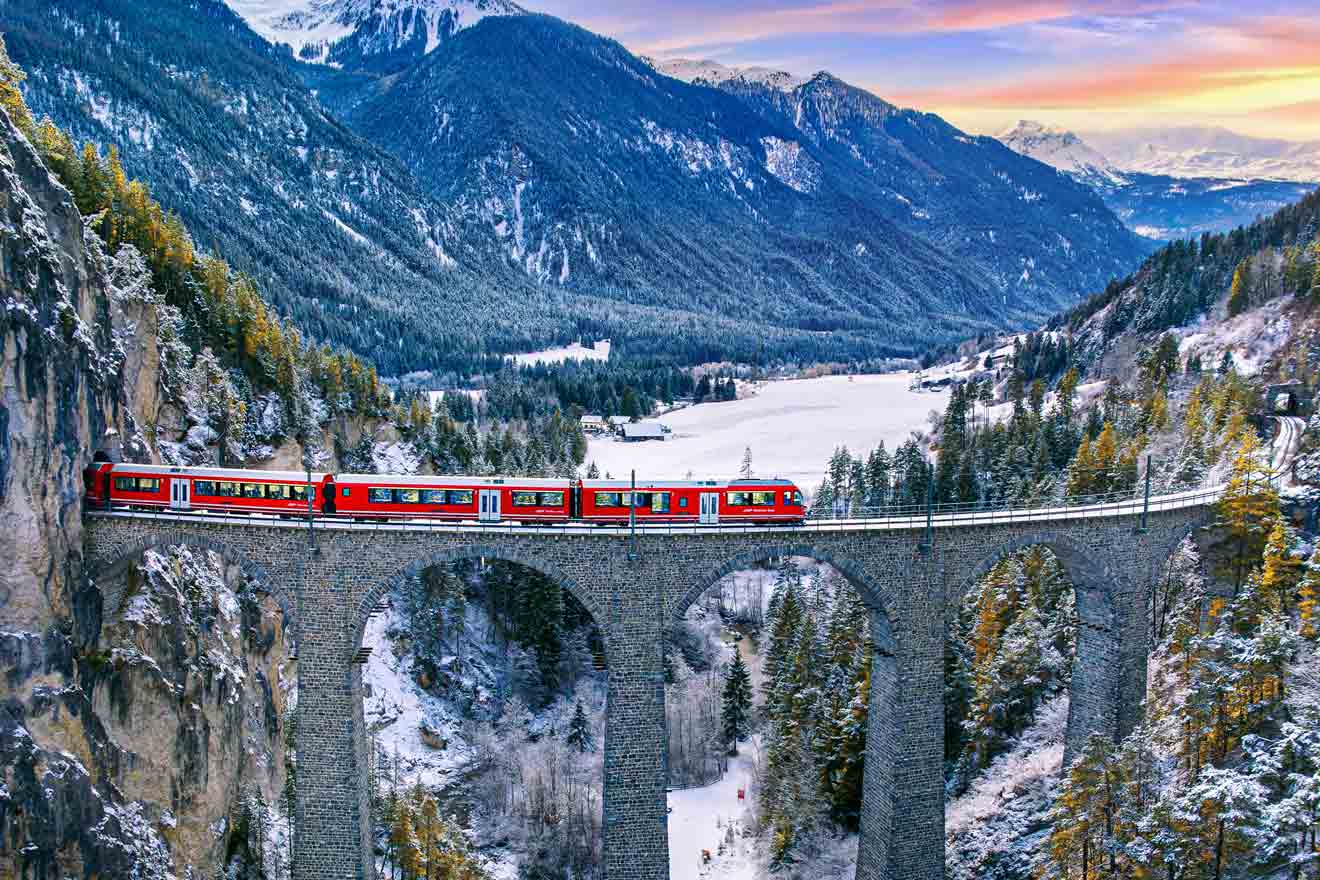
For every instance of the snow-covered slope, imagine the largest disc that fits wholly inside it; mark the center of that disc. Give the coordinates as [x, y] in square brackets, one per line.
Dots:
[713, 73]
[1064, 151]
[358, 32]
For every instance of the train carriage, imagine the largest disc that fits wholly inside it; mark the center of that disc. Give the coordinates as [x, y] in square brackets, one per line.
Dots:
[189, 488]
[457, 498]
[706, 502]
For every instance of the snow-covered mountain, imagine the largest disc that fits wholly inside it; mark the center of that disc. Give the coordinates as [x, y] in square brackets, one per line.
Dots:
[369, 34]
[1209, 152]
[713, 73]
[1064, 151]
[1164, 205]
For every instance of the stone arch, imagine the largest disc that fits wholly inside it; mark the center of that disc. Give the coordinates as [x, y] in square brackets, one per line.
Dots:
[1101, 594]
[378, 591]
[876, 598]
[889, 760]
[254, 573]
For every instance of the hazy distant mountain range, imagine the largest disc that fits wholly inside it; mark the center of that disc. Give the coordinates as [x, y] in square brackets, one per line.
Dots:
[1201, 187]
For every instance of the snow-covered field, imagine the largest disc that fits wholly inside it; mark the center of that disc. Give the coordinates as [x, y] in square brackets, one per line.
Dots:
[599, 351]
[700, 818]
[791, 426]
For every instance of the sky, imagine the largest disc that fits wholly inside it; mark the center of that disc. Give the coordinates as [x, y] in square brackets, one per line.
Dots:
[1252, 66]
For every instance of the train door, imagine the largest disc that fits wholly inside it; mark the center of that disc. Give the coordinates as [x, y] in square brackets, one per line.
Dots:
[490, 505]
[710, 508]
[180, 494]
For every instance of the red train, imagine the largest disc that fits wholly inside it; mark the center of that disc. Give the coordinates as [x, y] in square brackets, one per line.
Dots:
[482, 499]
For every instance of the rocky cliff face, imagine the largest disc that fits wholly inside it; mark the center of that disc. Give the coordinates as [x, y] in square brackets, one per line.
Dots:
[143, 740]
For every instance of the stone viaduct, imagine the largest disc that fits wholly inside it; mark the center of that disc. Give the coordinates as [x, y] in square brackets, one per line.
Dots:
[329, 582]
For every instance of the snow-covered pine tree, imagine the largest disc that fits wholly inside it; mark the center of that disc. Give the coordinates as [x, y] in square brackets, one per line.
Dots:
[745, 469]
[579, 734]
[736, 704]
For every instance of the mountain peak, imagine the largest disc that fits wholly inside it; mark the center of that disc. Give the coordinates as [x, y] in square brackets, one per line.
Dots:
[713, 73]
[1063, 150]
[371, 34]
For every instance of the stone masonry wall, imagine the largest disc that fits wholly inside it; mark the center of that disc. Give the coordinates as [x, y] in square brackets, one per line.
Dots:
[328, 590]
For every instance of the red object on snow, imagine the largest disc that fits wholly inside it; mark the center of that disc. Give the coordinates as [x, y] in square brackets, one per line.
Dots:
[705, 856]
[742, 795]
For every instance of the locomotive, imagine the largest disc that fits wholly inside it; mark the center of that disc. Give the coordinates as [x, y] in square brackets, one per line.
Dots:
[479, 499]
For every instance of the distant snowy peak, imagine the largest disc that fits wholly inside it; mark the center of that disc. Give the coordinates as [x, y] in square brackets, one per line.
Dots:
[713, 73]
[1211, 152]
[357, 33]
[1062, 150]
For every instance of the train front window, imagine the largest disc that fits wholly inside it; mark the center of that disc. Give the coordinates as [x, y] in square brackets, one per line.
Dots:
[433, 496]
[460, 496]
[793, 498]
[524, 499]
[609, 499]
[763, 499]
[380, 496]
[552, 499]
[659, 502]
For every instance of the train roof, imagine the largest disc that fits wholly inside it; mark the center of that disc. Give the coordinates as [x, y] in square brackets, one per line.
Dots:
[475, 482]
[233, 474]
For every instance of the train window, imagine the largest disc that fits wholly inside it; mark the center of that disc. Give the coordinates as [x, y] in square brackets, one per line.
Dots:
[793, 498]
[643, 499]
[227, 490]
[609, 499]
[252, 490]
[739, 499]
[763, 499]
[345, 492]
[299, 493]
[660, 502]
[433, 496]
[460, 496]
[278, 491]
[552, 499]
[203, 487]
[682, 503]
[524, 499]
[380, 496]
[137, 484]
[407, 496]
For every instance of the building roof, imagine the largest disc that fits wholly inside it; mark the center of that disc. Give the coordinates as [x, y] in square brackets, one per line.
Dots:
[644, 429]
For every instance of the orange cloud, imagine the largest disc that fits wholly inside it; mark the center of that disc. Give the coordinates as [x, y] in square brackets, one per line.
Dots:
[1267, 62]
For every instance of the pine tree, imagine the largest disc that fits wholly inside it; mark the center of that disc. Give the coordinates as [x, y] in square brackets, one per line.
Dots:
[745, 469]
[1281, 570]
[1239, 295]
[1248, 509]
[1308, 594]
[736, 704]
[11, 95]
[579, 731]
